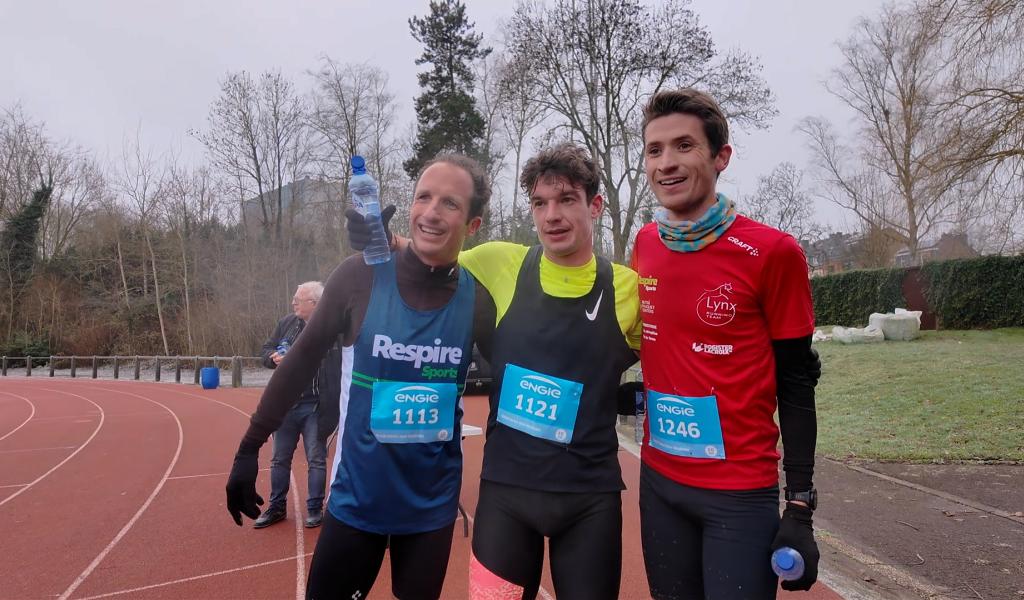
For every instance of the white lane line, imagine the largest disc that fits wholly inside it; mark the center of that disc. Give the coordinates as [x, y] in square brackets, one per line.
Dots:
[13, 485]
[193, 578]
[300, 542]
[32, 414]
[152, 496]
[37, 449]
[206, 475]
[70, 456]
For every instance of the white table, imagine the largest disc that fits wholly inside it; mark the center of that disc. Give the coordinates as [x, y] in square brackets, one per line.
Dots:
[467, 431]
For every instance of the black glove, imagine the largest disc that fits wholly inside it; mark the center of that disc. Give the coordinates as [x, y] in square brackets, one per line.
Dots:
[241, 488]
[797, 532]
[814, 365]
[359, 233]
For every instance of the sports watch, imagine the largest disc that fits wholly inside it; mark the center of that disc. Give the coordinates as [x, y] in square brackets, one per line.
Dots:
[810, 497]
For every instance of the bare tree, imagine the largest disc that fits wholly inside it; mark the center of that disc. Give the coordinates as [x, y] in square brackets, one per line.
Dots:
[257, 137]
[353, 112]
[519, 115]
[143, 184]
[593, 64]
[782, 202]
[23, 158]
[903, 176]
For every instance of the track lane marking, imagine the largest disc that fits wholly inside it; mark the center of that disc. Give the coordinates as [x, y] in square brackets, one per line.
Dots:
[194, 578]
[300, 543]
[32, 414]
[37, 449]
[99, 426]
[138, 514]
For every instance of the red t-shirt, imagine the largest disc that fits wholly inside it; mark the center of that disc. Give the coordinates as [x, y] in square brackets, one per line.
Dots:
[708, 321]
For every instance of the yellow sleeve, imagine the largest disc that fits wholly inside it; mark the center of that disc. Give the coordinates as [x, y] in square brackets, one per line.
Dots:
[496, 266]
[627, 304]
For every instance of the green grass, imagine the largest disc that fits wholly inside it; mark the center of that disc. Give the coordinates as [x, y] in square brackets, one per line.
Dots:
[948, 396]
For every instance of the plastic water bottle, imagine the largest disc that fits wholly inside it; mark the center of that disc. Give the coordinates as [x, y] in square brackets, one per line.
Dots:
[283, 347]
[641, 415]
[364, 192]
[787, 564]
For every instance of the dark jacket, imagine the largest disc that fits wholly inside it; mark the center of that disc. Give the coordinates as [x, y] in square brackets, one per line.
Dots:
[328, 378]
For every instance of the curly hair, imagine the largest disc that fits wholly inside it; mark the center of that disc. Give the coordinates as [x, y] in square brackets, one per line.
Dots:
[565, 160]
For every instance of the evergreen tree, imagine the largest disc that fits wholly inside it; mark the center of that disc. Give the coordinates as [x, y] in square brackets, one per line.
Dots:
[446, 113]
[18, 250]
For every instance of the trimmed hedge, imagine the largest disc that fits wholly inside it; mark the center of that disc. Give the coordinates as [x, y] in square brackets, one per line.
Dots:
[976, 293]
[849, 298]
[973, 293]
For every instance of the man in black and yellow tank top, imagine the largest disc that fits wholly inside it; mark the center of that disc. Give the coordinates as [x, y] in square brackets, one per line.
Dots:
[567, 326]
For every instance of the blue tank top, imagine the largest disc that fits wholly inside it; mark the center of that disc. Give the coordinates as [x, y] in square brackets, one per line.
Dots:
[398, 464]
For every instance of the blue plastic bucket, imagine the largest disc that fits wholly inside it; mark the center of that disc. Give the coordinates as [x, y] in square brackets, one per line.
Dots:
[210, 377]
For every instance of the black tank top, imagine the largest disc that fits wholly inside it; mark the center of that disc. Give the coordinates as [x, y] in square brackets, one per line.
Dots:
[578, 339]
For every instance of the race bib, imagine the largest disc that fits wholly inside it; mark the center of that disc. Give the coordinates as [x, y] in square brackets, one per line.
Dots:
[538, 404]
[685, 426]
[413, 413]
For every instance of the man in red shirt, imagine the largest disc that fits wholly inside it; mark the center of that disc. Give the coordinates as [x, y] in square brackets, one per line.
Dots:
[727, 324]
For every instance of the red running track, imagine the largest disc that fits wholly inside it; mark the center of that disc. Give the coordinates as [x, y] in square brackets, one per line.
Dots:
[116, 490]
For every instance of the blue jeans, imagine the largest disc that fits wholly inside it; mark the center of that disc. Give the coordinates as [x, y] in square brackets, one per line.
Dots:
[301, 419]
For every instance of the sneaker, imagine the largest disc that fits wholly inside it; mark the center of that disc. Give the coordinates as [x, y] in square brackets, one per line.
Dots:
[270, 516]
[314, 518]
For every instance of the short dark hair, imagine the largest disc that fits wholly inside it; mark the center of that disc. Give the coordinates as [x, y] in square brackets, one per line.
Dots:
[565, 160]
[481, 185]
[690, 102]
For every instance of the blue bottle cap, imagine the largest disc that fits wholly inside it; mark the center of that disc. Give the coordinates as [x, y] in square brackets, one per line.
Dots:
[785, 560]
[358, 164]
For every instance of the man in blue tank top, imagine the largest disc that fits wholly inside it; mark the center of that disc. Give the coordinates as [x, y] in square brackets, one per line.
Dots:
[407, 328]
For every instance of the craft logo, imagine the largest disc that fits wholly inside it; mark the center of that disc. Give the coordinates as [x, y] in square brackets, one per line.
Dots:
[750, 249]
[715, 307]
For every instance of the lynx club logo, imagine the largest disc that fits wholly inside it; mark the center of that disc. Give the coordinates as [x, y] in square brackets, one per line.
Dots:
[416, 394]
[715, 307]
[543, 387]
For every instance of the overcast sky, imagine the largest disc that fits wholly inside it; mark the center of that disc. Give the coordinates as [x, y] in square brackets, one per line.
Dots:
[95, 70]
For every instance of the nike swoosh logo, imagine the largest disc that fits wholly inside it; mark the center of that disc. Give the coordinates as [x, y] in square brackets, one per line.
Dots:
[593, 314]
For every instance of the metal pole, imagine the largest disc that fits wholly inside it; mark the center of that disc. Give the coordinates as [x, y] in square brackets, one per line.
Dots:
[195, 369]
[157, 359]
[138, 367]
[177, 369]
[236, 371]
[117, 366]
[73, 366]
[51, 366]
[28, 366]
[4, 362]
[94, 367]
